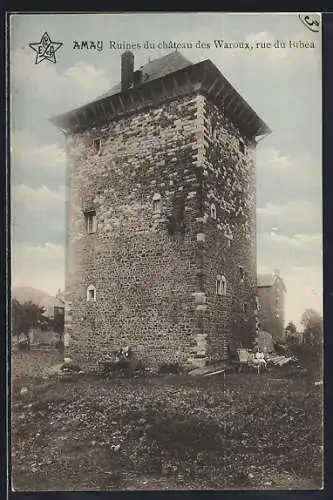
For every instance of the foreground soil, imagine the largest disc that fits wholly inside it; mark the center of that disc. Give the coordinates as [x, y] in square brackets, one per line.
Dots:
[177, 433]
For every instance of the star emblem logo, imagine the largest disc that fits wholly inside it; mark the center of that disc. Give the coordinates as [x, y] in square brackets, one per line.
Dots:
[45, 49]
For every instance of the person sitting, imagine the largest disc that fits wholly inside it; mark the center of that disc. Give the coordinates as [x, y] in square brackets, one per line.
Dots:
[259, 359]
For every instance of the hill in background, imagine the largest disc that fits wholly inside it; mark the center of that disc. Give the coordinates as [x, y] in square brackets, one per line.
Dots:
[27, 293]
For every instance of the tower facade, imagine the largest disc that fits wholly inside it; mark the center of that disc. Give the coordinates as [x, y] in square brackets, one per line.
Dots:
[161, 237]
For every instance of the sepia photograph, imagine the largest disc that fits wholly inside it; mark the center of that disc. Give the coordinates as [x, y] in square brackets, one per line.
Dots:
[166, 298]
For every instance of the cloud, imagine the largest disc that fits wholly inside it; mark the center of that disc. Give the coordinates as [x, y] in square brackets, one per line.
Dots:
[37, 200]
[37, 215]
[25, 149]
[76, 84]
[289, 179]
[280, 251]
[291, 214]
[39, 266]
[301, 241]
[273, 159]
[36, 164]
[293, 208]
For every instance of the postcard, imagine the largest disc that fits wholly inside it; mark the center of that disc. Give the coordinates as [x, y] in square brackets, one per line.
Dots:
[166, 251]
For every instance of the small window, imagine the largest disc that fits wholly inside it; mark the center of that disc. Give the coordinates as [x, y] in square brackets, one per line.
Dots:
[241, 273]
[229, 238]
[91, 293]
[157, 203]
[221, 285]
[245, 307]
[213, 211]
[257, 304]
[214, 132]
[90, 219]
[97, 145]
[242, 146]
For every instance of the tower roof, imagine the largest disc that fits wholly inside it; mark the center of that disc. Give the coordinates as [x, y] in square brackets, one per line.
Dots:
[268, 280]
[157, 68]
[163, 79]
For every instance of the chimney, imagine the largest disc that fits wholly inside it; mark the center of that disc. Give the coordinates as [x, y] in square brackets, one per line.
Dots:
[277, 272]
[127, 70]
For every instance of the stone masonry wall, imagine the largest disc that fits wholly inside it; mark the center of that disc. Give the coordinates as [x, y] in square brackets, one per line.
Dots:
[144, 265]
[229, 224]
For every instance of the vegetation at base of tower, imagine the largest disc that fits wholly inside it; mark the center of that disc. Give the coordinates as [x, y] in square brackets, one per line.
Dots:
[312, 322]
[310, 351]
[28, 316]
[291, 329]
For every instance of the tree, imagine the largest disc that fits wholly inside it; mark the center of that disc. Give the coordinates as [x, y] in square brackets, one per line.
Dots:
[27, 316]
[291, 328]
[312, 322]
[291, 332]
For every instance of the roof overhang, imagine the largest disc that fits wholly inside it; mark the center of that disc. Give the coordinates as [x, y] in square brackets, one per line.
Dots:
[202, 77]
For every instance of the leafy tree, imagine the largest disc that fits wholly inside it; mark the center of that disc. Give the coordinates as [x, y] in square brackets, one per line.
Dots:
[312, 322]
[291, 332]
[291, 328]
[27, 316]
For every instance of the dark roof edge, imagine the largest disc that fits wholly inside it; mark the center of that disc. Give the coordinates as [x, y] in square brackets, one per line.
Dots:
[274, 279]
[209, 72]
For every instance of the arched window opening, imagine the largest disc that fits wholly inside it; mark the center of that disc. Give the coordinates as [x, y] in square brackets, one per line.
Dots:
[97, 145]
[241, 273]
[157, 203]
[221, 285]
[91, 293]
[90, 221]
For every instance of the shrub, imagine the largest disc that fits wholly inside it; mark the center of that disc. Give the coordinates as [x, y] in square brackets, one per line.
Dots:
[310, 357]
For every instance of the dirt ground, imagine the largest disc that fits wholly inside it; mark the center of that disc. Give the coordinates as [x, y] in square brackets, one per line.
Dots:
[163, 433]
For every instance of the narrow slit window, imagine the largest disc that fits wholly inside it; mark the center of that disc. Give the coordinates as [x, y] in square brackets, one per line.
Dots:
[245, 307]
[257, 304]
[91, 293]
[214, 132]
[241, 273]
[213, 211]
[90, 220]
[97, 145]
[242, 146]
[157, 203]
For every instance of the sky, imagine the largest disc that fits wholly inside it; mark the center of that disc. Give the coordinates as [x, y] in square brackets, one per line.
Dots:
[281, 82]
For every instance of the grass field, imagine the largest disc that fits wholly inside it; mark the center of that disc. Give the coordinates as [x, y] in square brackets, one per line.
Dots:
[242, 432]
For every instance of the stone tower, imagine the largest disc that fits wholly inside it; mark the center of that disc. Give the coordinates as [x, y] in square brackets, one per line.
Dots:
[161, 236]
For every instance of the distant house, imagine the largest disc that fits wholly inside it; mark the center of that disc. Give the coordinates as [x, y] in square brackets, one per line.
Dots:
[53, 306]
[55, 310]
[271, 291]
